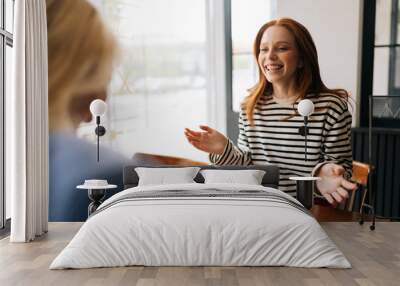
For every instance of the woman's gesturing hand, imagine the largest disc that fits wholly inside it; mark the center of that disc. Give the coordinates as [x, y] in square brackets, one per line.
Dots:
[209, 140]
[332, 185]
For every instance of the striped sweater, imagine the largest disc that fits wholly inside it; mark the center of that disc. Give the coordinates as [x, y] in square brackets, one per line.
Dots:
[275, 139]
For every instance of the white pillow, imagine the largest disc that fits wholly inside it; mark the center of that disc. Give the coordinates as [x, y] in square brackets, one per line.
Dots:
[165, 176]
[248, 177]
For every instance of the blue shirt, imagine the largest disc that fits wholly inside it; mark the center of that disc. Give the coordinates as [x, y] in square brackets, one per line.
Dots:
[72, 161]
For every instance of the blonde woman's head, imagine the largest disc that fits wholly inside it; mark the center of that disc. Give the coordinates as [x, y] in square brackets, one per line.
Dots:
[80, 54]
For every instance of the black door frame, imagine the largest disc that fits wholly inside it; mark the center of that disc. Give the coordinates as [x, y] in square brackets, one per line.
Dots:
[367, 64]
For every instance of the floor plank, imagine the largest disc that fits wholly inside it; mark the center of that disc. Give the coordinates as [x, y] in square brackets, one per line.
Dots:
[375, 257]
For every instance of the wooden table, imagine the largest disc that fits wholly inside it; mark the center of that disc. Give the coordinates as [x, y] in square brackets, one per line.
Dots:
[328, 213]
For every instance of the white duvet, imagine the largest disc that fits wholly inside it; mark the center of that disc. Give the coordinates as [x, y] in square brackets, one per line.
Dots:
[183, 231]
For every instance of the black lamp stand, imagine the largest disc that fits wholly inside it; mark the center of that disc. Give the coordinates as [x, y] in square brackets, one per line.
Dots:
[100, 131]
[303, 132]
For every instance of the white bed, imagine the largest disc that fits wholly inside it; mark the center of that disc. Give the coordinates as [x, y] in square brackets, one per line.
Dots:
[221, 225]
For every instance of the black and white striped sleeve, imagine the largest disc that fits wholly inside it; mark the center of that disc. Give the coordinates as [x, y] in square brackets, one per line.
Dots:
[336, 145]
[233, 155]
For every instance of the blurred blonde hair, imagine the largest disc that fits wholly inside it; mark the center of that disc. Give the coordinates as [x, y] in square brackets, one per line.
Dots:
[80, 58]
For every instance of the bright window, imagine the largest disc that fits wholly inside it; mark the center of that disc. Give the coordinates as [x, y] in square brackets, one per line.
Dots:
[160, 86]
[246, 20]
[6, 59]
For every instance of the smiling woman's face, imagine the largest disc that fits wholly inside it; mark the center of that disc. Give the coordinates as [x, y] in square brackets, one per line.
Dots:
[278, 58]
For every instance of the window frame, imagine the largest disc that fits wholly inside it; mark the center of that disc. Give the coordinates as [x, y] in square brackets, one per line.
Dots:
[392, 49]
[232, 117]
[367, 64]
[6, 39]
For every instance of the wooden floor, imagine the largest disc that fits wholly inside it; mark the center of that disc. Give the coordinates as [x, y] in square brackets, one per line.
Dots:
[375, 256]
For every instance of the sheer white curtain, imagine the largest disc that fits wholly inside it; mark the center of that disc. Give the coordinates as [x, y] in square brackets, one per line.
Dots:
[27, 124]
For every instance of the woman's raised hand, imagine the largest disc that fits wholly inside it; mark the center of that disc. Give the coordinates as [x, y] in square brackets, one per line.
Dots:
[209, 140]
[332, 185]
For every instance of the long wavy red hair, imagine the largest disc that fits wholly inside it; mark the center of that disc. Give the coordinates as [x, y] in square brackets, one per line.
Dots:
[308, 78]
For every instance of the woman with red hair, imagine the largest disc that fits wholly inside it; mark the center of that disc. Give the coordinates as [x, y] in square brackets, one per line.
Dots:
[269, 122]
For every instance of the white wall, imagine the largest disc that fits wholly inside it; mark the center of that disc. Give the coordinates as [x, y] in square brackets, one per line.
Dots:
[336, 27]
